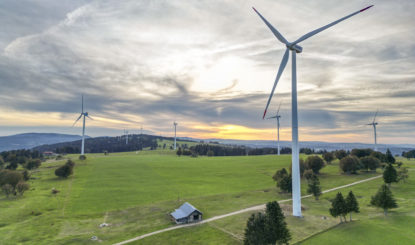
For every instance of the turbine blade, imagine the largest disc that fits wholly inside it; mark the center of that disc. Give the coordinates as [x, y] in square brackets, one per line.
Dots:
[272, 117]
[76, 120]
[82, 103]
[280, 70]
[374, 118]
[89, 117]
[312, 33]
[278, 35]
[279, 108]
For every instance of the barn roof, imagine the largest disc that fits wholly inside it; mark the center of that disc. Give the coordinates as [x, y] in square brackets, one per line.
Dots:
[185, 210]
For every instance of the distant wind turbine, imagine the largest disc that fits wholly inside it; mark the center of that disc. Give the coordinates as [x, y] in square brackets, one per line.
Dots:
[175, 126]
[295, 48]
[126, 136]
[83, 114]
[278, 116]
[374, 123]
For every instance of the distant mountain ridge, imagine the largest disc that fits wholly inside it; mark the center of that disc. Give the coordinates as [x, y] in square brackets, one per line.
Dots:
[30, 140]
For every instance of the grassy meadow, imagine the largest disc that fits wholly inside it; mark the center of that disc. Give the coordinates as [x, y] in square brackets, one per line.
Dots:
[134, 192]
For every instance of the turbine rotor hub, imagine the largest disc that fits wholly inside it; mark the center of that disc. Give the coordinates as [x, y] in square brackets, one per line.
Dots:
[297, 48]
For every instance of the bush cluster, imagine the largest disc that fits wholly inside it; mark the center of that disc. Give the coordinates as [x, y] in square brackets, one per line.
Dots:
[12, 182]
[66, 170]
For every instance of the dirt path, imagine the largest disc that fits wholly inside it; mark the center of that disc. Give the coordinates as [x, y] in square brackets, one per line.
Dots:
[254, 208]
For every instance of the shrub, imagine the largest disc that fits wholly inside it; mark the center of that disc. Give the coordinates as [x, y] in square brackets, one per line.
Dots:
[186, 152]
[26, 175]
[82, 157]
[32, 164]
[179, 151]
[66, 170]
[21, 187]
[7, 189]
[70, 163]
[315, 163]
[10, 177]
[283, 180]
[349, 164]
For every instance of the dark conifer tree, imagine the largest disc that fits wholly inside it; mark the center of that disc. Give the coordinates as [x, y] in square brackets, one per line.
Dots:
[338, 207]
[390, 175]
[352, 204]
[389, 157]
[314, 187]
[384, 199]
[255, 230]
[276, 228]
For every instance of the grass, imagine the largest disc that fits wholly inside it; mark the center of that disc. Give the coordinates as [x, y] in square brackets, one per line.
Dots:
[134, 193]
[316, 223]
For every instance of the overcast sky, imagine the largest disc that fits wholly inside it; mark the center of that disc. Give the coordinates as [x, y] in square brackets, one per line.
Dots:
[209, 65]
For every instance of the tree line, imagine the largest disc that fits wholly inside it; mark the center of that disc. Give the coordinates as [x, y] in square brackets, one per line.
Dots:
[107, 144]
[28, 159]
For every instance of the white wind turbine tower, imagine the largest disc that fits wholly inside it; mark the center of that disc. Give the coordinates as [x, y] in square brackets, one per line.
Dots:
[126, 136]
[374, 123]
[83, 114]
[278, 116]
[295, 48]
[175, 126]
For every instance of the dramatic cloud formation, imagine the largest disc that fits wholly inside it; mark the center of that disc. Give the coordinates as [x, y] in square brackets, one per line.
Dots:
[209, 65]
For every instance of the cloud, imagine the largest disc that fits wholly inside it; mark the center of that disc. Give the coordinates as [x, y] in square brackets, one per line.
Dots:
[208, 63]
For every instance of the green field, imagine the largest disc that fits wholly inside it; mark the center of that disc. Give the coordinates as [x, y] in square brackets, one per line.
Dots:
[135, 192]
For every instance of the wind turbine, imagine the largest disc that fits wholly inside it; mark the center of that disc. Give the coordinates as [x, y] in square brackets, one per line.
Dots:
[126, 136]
[295, 48]
[278, 116]
[83, 114]
[373, 123]
[175, 126]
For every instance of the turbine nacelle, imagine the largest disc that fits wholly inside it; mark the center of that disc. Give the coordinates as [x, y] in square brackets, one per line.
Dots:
[298, 49]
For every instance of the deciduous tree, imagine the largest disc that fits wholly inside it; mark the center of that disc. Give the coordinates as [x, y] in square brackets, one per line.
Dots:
[369, 162]
[315, 163]
[349, 164]
[328, 157]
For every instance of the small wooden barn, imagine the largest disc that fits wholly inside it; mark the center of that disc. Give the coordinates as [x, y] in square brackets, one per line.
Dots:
[186, 214]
